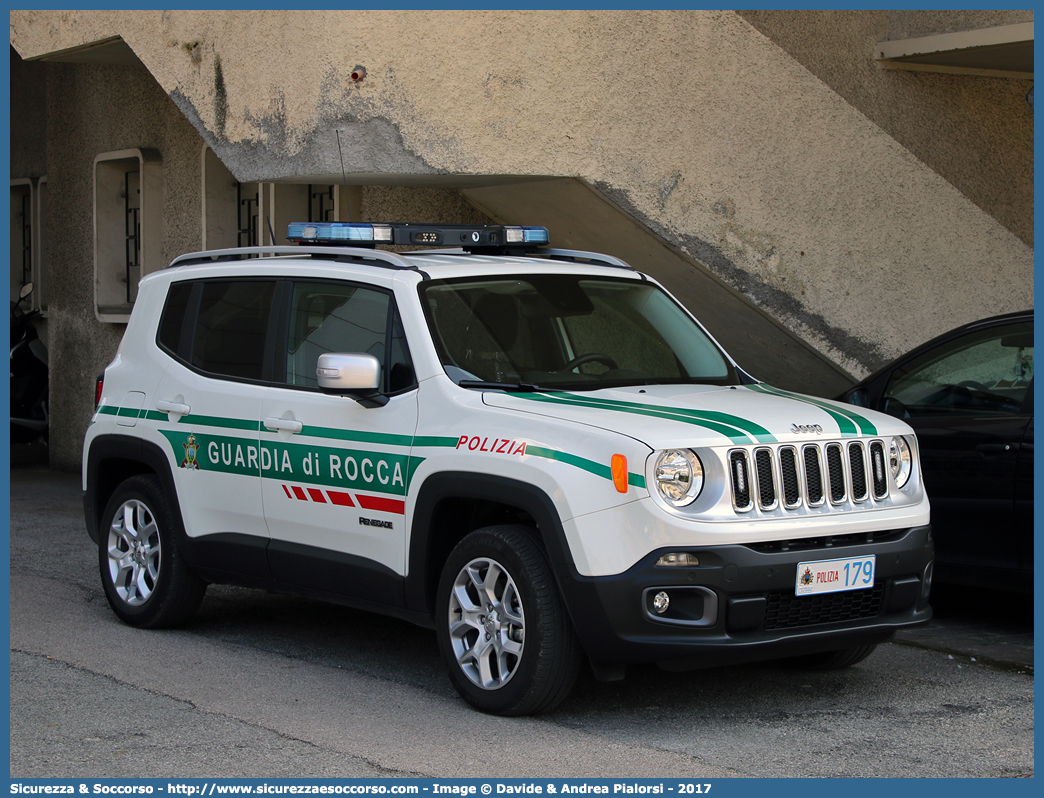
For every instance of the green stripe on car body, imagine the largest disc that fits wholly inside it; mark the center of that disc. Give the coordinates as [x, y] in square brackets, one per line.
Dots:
[333, 433]
[420, 441]
[590, 466]
[847, 420]
[252, 426]
[217, 421]
[756, 431]
[308, 464]
[437, 441]
[734, 432]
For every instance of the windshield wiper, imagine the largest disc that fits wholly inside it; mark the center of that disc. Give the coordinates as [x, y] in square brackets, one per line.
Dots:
[502, 386]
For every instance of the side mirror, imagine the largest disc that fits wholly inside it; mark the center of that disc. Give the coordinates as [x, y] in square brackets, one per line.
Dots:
[26, 290]
[354, 375]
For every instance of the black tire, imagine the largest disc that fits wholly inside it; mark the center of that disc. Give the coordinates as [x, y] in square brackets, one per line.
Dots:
[531, 656]
[146, 581]
[834, 660]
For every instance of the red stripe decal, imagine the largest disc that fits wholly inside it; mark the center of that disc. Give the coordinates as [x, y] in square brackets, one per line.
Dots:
[317, 495]
[286, 490]
[381, 505]
[300, 494]
[340, 499]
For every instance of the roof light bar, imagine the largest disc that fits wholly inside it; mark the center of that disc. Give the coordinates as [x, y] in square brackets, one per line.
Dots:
[338, 232]
[468, 236]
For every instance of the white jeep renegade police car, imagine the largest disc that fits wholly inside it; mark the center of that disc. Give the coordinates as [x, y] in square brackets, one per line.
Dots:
[538, 452]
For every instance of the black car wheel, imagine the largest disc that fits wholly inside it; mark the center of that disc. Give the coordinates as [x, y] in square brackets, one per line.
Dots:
[146, 581]
[502, 630]
[834, 660]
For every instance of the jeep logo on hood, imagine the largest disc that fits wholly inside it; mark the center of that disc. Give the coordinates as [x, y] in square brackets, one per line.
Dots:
[809, 428]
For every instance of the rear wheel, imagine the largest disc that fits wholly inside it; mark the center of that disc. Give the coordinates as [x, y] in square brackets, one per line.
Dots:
[503, 632]
[146, 581]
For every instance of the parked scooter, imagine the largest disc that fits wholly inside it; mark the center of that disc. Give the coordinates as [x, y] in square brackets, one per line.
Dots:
[29, 387]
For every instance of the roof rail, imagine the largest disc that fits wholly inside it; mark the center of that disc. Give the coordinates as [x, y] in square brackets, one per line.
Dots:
[570, 255]
[389, 260]
[576, 255]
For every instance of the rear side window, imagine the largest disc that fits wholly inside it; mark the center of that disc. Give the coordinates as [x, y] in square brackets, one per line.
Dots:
[174, 313]
[238, 328]
[231, 328]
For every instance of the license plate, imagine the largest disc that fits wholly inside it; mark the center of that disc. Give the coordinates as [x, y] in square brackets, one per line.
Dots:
[831, 576]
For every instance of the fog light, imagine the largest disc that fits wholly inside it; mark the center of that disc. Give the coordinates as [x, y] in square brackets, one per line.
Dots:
[926, 580]
[661, 601]
[681, 559]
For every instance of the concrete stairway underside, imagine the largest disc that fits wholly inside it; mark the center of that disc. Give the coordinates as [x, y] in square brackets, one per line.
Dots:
[580, 218]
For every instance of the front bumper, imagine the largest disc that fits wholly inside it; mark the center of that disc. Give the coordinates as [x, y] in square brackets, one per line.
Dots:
[738, 604]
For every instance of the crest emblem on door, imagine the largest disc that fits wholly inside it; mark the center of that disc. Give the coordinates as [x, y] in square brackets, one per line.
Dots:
[191, 450]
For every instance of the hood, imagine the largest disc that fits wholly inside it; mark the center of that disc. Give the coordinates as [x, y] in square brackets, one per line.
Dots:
[667, 416]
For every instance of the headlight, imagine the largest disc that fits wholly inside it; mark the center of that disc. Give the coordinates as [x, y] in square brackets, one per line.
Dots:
[679, 476]
[900, 460]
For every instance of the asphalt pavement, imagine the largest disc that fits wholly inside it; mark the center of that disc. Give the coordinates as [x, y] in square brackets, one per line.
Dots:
[989, 625]
[265, 685]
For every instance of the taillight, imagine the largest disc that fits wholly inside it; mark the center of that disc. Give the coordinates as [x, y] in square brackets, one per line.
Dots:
[99, 383]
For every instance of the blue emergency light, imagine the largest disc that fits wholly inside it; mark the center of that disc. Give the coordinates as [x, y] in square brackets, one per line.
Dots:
[470, 237]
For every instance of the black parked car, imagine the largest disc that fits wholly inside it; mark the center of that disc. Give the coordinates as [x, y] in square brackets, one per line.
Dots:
[969, 396]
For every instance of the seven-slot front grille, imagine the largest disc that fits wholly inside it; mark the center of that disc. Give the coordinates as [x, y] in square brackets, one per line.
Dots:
[740, 480]
[857, 468]
[766, 480]
[784, 475]
[788, 466]
[877, 469]
[836, 473]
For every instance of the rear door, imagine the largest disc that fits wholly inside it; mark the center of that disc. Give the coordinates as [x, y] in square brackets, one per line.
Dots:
[205, 413]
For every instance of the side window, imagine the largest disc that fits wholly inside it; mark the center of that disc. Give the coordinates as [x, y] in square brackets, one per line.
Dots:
[400, 374]
[340, 317]
[231, 327]
[174, 316]
[983, 373]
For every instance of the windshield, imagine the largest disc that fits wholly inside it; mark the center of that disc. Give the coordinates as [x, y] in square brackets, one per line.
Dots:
[566, 332]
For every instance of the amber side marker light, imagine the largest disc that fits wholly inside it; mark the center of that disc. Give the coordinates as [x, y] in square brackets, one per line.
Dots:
[620, 473]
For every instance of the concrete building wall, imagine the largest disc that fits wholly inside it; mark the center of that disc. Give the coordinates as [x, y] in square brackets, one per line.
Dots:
[976, 132]
[102, 108]
[28, 157]
[755, 162]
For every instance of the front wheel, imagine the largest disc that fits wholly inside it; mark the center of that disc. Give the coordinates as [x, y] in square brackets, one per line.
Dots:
[502, 630]
[834, 660]
[146, 581]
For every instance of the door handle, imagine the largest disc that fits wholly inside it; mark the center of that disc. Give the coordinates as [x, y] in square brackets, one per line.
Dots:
[283, 425]
[173, 407]
[988, 449]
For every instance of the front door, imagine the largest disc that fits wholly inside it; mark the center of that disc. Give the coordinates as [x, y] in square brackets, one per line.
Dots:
[334, 473]
[967, 401]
